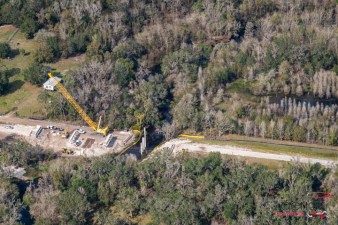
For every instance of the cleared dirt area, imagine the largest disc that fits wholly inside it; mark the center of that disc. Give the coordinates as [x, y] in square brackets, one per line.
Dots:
[180, 144]
[88, 144]
[3, 135]
[18, 130]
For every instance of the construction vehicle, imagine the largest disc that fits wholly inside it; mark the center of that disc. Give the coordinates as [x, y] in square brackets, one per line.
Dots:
[67, 151]
[96, 127]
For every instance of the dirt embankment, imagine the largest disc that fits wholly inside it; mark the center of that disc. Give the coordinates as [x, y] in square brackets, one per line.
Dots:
[180, 144]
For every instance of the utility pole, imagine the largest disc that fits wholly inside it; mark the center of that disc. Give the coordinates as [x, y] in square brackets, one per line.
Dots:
[145, 137]
[143, 142]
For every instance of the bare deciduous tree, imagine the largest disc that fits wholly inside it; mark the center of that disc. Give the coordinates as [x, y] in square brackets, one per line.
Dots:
[169, 130]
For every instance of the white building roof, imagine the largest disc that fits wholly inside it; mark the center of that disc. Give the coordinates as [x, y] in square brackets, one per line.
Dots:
[51, 82]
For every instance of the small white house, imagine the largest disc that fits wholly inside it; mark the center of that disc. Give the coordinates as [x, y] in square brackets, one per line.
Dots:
[50, 84]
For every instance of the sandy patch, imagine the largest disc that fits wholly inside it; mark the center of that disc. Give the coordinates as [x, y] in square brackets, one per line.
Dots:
[5, 28]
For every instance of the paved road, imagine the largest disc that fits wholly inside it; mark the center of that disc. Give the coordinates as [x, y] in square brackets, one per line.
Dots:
[180, 144]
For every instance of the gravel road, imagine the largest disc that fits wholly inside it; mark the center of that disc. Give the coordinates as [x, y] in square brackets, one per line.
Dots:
[180, 144]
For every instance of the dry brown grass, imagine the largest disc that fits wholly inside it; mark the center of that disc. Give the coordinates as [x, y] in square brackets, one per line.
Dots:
[6, 31]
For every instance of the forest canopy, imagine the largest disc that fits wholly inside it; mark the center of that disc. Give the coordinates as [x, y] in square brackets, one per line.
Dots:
[166, 188]
[263, 68]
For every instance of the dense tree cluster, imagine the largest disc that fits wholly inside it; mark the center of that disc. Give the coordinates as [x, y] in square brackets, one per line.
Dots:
[5, 50]
[177, 63]
[165, 189]
[35, 74]
[17, 153]
[20, 153]
[3, 81]
[10, 206]
[294, 119]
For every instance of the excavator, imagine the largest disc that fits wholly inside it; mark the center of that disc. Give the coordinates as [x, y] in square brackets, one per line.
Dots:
[96, 127]
[67, 151]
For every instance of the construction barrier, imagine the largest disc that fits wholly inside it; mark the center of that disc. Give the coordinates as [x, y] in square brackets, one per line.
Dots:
[191, 136]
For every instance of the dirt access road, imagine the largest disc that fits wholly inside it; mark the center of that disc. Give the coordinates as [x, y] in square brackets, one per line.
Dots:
[9, 119]
[180, 144]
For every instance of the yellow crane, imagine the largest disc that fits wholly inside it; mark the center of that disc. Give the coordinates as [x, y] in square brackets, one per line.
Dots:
[78, 108]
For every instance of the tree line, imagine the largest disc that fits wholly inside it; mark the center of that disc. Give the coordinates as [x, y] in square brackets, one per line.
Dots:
[166, 188]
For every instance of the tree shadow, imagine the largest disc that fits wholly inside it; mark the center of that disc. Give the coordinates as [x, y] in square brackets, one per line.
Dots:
[14, 86]
[8, 139]
[14, 52]
[13, 72]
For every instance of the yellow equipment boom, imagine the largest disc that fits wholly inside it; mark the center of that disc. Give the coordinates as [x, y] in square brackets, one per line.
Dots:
[78, 108]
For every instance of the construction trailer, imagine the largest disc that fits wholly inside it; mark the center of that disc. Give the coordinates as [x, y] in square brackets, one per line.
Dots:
[108, 140]
[74, 137]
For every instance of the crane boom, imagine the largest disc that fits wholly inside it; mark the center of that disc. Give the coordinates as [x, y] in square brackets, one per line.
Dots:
[78, 108]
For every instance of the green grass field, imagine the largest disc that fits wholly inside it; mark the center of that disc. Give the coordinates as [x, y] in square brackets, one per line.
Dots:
[66, 65]
[22, 96]
[299, 150]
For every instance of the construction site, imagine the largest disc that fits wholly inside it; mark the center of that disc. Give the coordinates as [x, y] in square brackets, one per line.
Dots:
[65, 138]
[70, 139]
